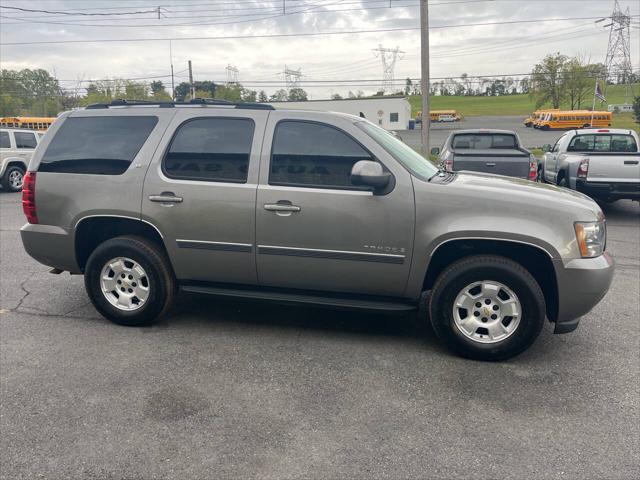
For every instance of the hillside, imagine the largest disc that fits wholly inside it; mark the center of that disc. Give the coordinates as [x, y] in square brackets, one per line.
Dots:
[505, 105]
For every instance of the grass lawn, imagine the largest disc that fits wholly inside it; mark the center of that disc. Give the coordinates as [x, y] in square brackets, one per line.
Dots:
[625, 120]
[507, 104]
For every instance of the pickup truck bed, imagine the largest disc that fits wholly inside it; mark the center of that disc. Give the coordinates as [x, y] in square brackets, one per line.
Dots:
[612, 176]
[511, 162]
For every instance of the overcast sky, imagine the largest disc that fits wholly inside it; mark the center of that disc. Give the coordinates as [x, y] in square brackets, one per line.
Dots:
[505, 49]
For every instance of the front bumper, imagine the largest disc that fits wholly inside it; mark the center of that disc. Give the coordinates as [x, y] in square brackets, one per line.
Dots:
[582, 283]
[606, 190]
[50, 245]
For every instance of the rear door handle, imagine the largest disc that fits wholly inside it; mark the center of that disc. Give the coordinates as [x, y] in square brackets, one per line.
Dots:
[279, 207]
[490, 164]
[165, 197]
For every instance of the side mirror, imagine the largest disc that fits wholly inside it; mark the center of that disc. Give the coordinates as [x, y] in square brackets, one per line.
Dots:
[370, 174]
[435, 151]
[546, 147]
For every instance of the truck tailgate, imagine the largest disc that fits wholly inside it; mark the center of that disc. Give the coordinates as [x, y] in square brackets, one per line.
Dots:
[513, 163]
[614, 167]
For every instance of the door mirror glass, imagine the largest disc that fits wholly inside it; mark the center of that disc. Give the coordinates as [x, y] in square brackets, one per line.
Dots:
[435, 151]
[546, 147]
[370, 174]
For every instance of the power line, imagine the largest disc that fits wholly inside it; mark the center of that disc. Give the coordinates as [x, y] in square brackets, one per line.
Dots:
[62, 12]
[302, 34]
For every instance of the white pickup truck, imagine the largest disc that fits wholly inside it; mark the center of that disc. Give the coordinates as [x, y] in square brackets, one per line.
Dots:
[602, 163]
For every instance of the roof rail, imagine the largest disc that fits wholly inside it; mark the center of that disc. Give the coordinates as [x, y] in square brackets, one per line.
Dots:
[194, 101]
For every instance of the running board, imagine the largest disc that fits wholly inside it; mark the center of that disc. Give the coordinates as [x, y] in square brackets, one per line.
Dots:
[279, 296]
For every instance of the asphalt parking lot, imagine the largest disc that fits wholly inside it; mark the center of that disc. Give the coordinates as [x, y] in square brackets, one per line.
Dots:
[249, 390]
[530, 137]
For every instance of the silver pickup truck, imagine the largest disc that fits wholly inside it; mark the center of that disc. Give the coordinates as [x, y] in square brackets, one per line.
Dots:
[245, 201]
[488, 151]
[603, 163]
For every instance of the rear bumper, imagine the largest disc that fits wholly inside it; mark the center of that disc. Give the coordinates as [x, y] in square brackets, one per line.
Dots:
[50, 245]
[582, 283]
[614, 191]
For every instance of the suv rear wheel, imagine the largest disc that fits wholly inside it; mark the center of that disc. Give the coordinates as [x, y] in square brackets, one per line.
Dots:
[487, 308]
[13, 178]
[129, 280]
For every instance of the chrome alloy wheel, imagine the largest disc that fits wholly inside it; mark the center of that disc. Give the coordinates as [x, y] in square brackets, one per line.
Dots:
[487, 311]
[16, 178]
[125, 284]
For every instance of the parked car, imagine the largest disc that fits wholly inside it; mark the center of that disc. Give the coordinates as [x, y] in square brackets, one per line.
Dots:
[16, 148]
[447, 118]
[241, 200]
[604, 163]
[488, 151]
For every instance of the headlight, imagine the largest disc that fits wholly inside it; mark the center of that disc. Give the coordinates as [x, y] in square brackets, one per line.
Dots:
[592, 237]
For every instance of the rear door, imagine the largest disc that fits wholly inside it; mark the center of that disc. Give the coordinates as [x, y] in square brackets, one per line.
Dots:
[200, 192]
[317, 231]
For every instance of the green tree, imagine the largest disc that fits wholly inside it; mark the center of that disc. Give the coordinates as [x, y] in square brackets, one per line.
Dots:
[279, 96]
[547, 80]
[636, 108]
[297, 95]
[336, 96]
[29, 92]
[262, 97]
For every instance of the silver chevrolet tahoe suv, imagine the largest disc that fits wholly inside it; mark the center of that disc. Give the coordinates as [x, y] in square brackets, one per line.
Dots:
[244, 200]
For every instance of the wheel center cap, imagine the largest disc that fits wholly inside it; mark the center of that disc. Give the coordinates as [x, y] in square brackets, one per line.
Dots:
[486, 311]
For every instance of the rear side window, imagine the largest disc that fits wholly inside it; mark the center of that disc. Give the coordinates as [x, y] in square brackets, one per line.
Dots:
[97, 145]
[25, 140]
[211, 149]
[484, 141]
[603, 143]
[5, 142]
[314, 155]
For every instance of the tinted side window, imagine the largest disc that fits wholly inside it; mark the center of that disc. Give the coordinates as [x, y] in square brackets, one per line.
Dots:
[25, 140]
[313, 154]
[210, 149]
[5, 142]
[97, 145]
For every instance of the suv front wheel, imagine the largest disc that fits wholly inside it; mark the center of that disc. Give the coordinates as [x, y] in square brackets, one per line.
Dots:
[129, 280]
[487, 307]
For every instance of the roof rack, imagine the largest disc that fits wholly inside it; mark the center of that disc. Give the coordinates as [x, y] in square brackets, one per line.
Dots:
[194, 101]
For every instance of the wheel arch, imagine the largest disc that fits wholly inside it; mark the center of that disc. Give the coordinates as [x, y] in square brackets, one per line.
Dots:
[93, 230]
[535, 259]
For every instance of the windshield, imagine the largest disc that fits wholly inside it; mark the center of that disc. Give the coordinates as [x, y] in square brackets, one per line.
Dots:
[403, 153]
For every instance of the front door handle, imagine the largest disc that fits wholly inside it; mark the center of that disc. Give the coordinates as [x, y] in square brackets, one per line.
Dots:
[165, 197]
[490, 164]
[281, 207]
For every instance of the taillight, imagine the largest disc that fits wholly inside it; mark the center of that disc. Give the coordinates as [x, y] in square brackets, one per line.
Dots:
[448, 165]
[583, 168]
[29, 197]
[533, 170]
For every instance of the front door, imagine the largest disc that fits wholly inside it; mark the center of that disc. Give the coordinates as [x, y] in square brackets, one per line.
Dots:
[200, 193]
[317, 231]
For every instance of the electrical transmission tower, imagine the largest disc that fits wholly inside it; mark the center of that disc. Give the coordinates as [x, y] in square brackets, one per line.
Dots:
[618, 60]
[232, 74]
[292, 78]
[389, 56]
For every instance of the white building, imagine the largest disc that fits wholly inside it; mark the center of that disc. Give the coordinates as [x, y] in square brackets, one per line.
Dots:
[620, 107]
[391, 113]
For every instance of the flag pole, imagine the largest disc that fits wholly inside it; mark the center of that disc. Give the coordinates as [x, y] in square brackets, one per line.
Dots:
[593, 107]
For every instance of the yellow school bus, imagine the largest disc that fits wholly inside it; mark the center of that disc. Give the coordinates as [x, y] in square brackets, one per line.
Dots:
[435, 115]
[29, 123]
[568, 119]
[536, 116]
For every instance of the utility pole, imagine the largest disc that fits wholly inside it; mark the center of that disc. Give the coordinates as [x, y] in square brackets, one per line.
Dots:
[173, 83]
[193, 88]
[292, 77]
[618, 61]
[424, 81]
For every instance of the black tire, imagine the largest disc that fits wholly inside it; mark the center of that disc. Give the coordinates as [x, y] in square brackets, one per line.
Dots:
[540, 174]
[163, 285]
[6, 179]
[475, 269]
[545, 127]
